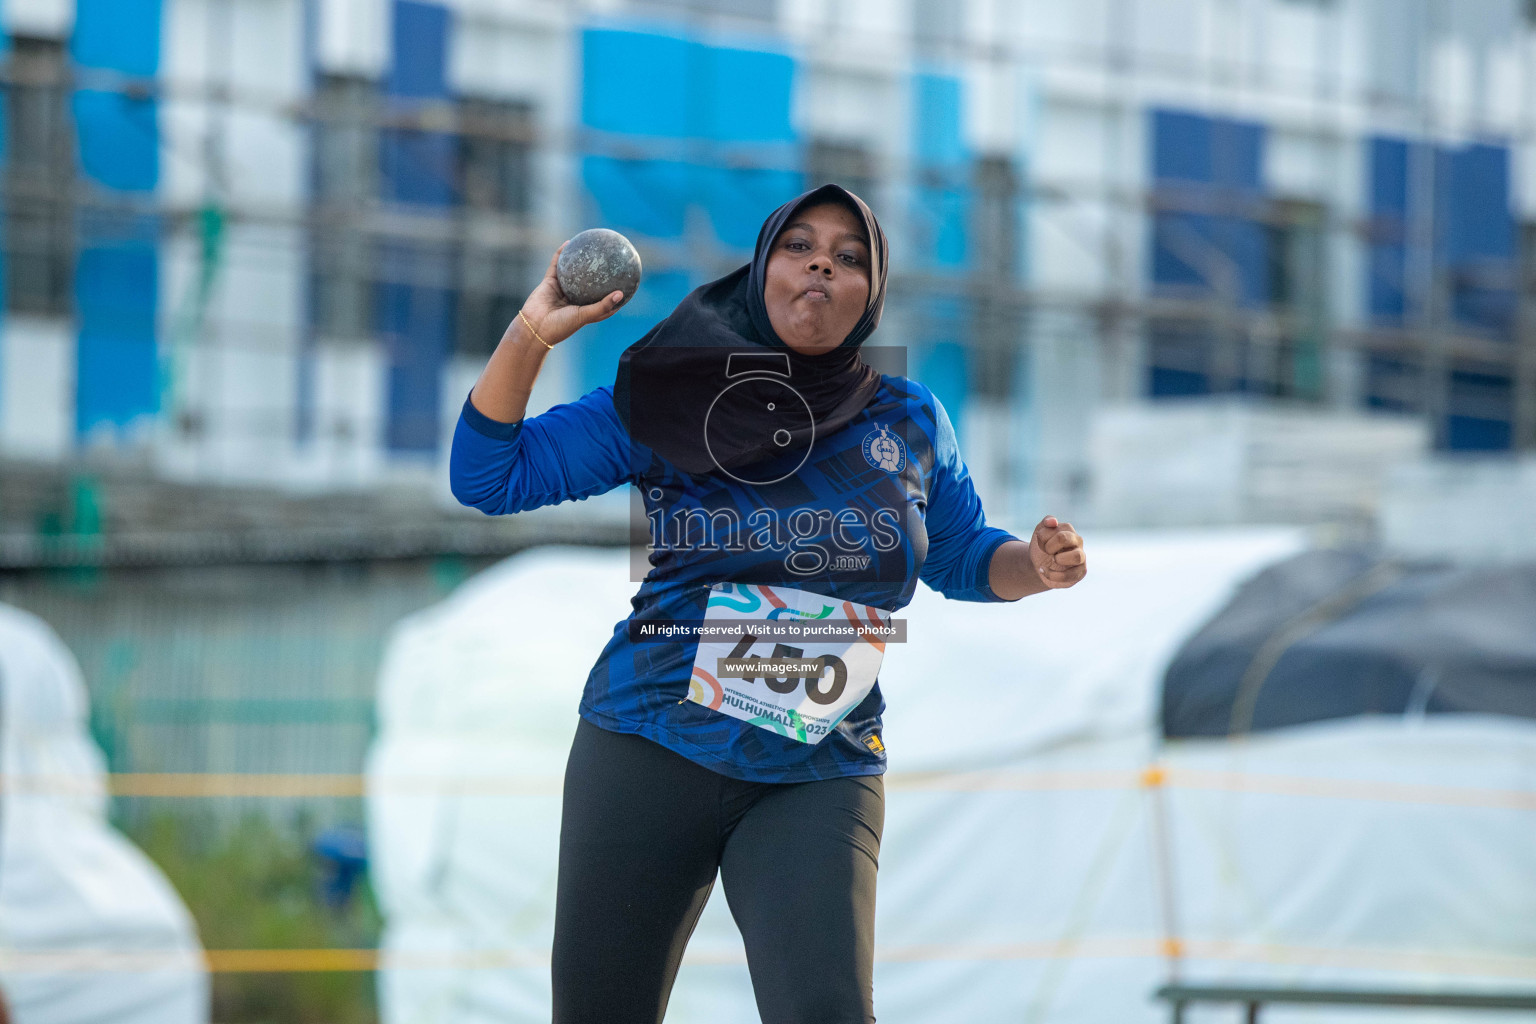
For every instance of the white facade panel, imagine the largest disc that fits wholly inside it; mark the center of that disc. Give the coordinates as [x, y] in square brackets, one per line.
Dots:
[1066, 247]
[233, 352]
[1452, 92]
[1522, 179]
[266, 165]
[249, 408]
[353, 37]
[346, 443]
[247, 152]
[1070, 221]
[37, 387]
[1073, 144]
[997, 105]
[1084, 27]
[258, 294]
[1507, 88]
[885, 20]
[495, 57]
[185, 113]
[1299, 165]
[849, 105]
[1291, 42]
[1175, 30]
[267, 59]
[45, 19]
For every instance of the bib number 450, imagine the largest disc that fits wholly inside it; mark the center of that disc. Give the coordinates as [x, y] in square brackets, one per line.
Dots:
[787, 684]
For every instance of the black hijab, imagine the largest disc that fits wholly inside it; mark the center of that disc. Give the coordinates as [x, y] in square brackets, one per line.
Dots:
[714, 387]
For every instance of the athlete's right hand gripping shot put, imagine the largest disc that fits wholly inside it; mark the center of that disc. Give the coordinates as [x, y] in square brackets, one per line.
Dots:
[595, 263]
[731, 726]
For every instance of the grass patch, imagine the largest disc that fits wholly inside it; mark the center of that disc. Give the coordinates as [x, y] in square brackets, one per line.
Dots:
[255, 884]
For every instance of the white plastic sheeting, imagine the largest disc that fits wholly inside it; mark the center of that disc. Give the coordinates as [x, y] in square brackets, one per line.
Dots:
[1024, 873]
[90, 930]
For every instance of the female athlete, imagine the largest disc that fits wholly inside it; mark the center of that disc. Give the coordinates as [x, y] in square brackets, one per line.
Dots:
[788, 487]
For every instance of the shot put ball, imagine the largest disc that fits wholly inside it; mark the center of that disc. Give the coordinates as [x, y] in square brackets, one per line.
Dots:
[595, 263]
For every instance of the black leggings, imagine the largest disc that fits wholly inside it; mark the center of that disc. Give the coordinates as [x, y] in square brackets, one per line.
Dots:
[642, 833]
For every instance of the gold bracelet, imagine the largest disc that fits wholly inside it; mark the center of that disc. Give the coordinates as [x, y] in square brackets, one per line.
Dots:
[535, 333]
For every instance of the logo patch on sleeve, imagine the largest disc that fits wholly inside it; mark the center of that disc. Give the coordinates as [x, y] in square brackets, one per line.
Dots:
[872, 741]
[884, 450]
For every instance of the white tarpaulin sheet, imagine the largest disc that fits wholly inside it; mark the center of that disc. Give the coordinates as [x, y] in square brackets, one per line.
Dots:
[1043, 853]
[90, 930]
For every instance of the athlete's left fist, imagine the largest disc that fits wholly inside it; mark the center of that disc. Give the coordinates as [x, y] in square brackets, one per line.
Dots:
[1057, 553]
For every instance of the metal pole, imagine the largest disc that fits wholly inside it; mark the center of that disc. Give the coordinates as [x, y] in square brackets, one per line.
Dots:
[1428, 280]
[1525, 268]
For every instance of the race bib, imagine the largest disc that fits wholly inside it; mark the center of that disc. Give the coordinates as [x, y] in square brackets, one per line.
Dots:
[751, 629]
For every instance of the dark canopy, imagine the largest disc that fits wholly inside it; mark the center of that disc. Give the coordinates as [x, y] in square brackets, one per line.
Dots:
[1330, 634]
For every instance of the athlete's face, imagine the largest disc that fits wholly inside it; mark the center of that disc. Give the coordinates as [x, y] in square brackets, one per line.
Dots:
[817, 280]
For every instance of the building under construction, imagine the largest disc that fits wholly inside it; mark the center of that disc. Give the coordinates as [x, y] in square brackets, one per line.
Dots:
[271, 242]
[1166, 262]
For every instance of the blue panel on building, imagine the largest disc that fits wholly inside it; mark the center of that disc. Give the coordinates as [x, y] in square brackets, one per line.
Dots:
[1246, 244]
[414, 312]
[1479, 238]
[1389, 176]
[1212, 241]
[1179, 241]
[1387, 261]
[637, 83]
[1470, 434]
[1386, 295]
[1480, 409]
[739, 199]
[943, 364]
[672, 87]
[939, 222]
[417, 325]
[1165, 382]
[1181, 146]
[1473, 242]
[419, 67]
[1200, 149]
[1483, 307]
[1473, 233]
[657, 85]
[117, 376]
[937, 139]
[1392, 384]
[643, 197]
[747, 94]
[1209, 239]
[1179, 358]
[941, 203]
[1475, 192]
[122, 35]
[117, 268]
[118, 140]
[939, 217]
[417, 167]
[1238, 154]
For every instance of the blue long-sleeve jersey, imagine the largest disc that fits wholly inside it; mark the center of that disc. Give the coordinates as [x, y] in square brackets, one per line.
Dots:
[862, 515]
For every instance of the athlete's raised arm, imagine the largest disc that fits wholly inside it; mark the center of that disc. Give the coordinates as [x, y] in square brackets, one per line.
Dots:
[545, 320]
[1053, 559]
[503, 461]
